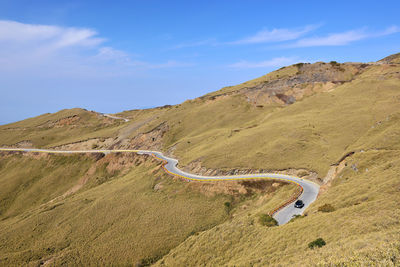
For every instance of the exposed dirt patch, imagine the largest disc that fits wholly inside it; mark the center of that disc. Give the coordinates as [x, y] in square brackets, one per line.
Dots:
[67, 121]
[152, 139]
[197, 168]
[235, 188]
[263, 95]
[287, 99]
[95, 143]
[333, 172]
[309, 79]
[24, 144]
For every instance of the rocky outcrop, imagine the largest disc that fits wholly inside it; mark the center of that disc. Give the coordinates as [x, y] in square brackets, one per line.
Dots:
[309, 79]
[152, 139]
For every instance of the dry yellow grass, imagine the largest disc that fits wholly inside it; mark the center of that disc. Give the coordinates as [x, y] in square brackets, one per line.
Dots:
[118, 222]
[231, 133]
[364, 229]
[65, 126]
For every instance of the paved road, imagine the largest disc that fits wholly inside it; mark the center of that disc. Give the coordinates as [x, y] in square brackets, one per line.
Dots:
[309, 194]
[115, 117]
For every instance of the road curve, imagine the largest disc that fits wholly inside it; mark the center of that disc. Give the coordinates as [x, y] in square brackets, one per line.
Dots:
[115, 117]
[283, 215]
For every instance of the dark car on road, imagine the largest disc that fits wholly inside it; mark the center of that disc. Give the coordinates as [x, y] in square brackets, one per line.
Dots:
[299, 204]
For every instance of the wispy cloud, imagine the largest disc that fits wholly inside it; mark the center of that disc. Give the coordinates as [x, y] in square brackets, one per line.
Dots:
[344, 38]
[63, 49]
[110, 54]
[275, 62]
[276, 35]
[53, 36]
[123, 58]
[263, 36]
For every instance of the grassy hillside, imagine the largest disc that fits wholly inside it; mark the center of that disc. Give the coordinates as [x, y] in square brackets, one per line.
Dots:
[363, 230]
[117, 217]
[65, 126]
[229, 132]
[26, 182]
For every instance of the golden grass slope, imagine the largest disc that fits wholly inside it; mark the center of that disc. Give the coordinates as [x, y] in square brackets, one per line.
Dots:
[364, 230]
[28, 181]
[65, 126]
[313, 133]
[117, 218]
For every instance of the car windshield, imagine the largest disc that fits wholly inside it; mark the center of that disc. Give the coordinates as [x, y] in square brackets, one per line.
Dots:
[299, 202]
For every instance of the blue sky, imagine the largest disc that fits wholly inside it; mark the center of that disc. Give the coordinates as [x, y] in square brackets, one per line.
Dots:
[111, 56]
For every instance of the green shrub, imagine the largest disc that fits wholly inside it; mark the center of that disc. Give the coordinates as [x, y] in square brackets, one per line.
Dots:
[228, 206]
[148, 261]
[326, 208]
[94, 146]
[267, 220]
[319, 242]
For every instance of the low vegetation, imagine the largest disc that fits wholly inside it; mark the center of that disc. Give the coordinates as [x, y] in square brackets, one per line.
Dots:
[317, 243]
[267, 220]
[228, 207]
[326, 208]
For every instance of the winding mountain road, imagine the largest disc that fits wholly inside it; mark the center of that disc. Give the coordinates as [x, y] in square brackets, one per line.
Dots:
[115, 117]
[309, 193]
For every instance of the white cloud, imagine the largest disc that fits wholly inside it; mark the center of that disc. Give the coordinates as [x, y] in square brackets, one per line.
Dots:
[15, 31]
[390, 30]
[276, 35]
[263, 36]
[344, 38]
[82, 37]
[52, 50]
[275, 62]
[12, 31]
[110, 54]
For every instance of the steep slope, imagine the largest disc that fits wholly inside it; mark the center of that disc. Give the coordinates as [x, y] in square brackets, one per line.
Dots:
[126, 210]
[362, 230]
